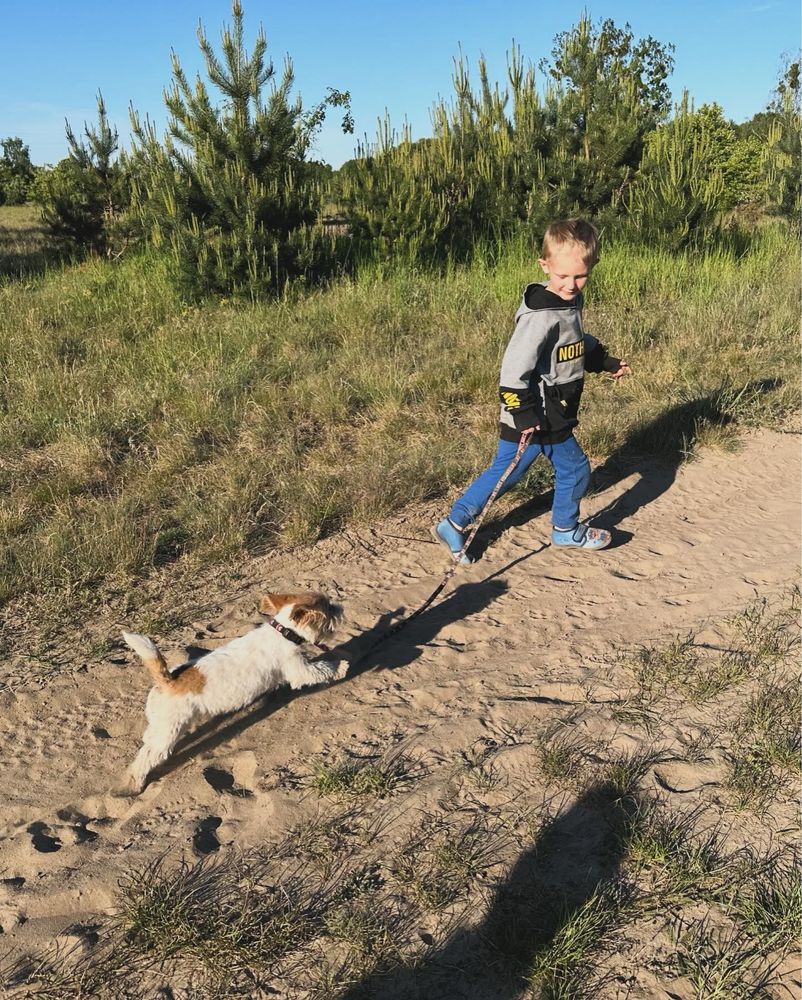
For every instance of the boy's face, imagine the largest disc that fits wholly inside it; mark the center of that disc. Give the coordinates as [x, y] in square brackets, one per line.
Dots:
[567, 270]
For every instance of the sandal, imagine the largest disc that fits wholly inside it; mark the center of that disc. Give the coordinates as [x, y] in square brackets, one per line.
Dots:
[448, 534]
[581, 537]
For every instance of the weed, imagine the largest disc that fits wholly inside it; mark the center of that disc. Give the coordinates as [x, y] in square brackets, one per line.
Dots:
[723, 964]
[442, 865]
[375, 775]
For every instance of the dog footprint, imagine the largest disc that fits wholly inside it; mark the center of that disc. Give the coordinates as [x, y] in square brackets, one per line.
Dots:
[78, 825]
[41, 839]
[224, 781]
[204, 839]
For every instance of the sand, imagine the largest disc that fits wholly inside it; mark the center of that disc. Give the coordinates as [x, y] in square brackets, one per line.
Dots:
[521, 637]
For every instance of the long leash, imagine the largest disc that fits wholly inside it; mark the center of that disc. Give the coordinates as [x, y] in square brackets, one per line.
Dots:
[457, 556]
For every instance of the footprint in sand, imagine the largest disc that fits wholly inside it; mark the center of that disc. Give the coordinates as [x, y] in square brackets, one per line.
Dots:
[204, 839]
[41, 839]
[224, 782]
[77, 824]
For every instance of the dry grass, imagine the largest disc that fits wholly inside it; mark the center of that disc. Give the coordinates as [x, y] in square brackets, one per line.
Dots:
[137, 431]
[22, 242]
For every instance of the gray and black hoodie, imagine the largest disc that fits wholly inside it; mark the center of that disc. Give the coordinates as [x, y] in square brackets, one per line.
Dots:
[543, 370]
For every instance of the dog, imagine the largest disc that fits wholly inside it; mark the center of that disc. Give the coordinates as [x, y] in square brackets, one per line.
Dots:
[232, 676]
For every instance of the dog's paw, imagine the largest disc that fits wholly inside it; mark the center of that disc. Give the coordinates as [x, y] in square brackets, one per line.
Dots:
[130, 786]
[341, 669]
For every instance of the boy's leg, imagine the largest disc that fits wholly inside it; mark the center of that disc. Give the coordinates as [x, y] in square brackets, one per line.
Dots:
[571, 480]
[451, 529]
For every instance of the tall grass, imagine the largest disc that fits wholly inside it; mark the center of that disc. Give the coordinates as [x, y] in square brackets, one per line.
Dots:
[23, 249]
[136, 430]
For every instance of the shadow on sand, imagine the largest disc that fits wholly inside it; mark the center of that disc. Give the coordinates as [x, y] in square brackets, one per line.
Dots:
[654, 452]
[577, 855]
[468, 599]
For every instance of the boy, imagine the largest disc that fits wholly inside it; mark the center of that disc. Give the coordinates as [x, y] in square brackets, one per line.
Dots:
[542, 375]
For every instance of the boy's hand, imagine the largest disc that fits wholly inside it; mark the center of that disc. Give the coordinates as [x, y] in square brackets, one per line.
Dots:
[623, 370]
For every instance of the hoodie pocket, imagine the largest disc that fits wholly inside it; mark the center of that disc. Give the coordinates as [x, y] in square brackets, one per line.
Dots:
[562, 403]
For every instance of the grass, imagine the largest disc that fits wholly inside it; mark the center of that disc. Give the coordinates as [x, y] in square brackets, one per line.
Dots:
[562, 754]
[560, 971]
[138, 431]
[375, 774]
[723, 964]
[686, 863]
[765, 744]
[442, 863]
[22, 242]
[762, 635]
[768, 905]
[683, 667]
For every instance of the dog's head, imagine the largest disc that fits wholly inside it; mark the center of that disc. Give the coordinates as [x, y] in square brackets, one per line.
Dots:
[312, 614]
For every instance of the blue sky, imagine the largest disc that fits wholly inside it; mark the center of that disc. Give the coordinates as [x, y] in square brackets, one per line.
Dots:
[392, 56]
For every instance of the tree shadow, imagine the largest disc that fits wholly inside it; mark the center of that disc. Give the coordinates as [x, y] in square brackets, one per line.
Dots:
[575, 856]
[654, 451]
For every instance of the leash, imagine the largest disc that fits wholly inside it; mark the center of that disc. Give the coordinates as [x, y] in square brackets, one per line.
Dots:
[457, 556]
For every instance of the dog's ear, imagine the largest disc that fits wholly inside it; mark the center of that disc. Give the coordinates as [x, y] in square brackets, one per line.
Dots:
[271, 603]
[308, 617]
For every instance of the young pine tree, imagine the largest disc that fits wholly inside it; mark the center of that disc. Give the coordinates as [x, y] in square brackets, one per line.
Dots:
[679, 193]
[84, 196]
[229, 193]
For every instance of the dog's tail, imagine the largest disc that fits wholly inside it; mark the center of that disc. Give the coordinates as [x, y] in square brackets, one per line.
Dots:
[147, 651]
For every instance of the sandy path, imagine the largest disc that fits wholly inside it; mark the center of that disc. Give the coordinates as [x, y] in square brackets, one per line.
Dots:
[523, 632]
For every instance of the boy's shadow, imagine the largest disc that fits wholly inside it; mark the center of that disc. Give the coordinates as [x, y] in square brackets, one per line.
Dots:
[574, 857]
[655, 450]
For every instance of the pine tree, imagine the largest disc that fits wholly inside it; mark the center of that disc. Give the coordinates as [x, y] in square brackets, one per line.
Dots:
[229, 192]
[679, 193]
[85, 195]
[610, 92]
[503, 159]
[476, 181]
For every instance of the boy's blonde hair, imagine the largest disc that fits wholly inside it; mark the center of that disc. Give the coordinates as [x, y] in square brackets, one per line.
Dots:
[572, 232]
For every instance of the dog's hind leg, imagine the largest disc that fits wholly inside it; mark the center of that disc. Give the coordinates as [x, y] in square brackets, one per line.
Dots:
[158, 741]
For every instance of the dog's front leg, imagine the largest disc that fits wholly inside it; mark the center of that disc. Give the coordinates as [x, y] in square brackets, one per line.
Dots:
[307, 672]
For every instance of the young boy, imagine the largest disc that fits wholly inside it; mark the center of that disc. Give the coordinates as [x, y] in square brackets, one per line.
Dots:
[542, 375]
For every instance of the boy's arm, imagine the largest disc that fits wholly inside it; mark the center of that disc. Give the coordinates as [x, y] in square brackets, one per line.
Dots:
[598, 360]
[517, 368]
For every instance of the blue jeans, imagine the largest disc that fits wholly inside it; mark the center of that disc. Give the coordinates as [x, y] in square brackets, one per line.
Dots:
[571, 478]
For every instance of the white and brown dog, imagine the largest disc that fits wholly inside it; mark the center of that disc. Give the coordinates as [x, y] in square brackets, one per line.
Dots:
[232, 676]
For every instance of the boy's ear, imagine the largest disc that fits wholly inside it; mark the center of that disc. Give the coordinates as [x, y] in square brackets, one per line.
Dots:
[543, 265]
